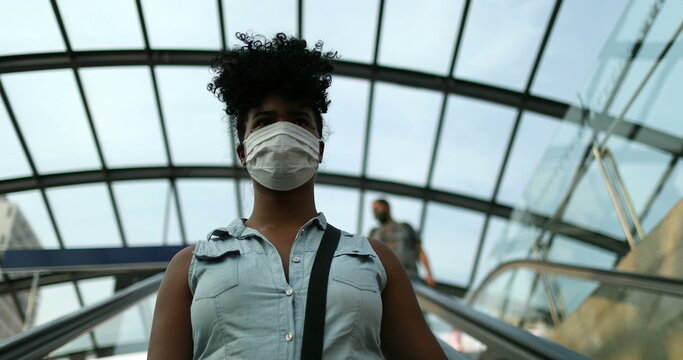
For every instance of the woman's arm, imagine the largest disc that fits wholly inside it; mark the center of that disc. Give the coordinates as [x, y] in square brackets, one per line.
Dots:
[405, 334]
[171, 328]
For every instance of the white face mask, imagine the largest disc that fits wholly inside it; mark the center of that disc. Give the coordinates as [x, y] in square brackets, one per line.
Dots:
[282, 156]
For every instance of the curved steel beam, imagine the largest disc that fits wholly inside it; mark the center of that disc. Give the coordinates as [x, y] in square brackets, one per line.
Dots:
[231, 172]
[552, 108]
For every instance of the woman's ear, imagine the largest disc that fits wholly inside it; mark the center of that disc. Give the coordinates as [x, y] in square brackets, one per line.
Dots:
[322, 151]
[240, 154]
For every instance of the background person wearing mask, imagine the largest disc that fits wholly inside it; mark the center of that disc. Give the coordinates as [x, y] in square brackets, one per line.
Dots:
[402, 239]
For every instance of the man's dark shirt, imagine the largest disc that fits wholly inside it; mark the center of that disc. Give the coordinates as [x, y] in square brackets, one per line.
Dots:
[403, 240]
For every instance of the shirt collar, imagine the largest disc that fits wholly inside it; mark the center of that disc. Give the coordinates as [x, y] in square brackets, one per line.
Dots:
[237, 229]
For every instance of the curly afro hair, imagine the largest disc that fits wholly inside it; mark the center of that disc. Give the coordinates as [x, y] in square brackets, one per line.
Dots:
[282, 66]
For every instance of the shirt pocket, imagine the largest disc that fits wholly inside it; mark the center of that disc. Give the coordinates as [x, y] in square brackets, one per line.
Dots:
[220, 270]
[356, 268]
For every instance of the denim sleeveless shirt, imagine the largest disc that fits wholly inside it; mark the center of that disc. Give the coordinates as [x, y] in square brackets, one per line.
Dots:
[243, 307]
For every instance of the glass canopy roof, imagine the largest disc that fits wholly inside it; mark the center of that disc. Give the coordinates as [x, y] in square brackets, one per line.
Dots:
[444, 108]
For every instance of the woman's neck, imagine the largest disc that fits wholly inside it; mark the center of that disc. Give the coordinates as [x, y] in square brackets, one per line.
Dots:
[282, 208]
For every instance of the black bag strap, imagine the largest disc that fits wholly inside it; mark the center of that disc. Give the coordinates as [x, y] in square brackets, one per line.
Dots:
[316, 302]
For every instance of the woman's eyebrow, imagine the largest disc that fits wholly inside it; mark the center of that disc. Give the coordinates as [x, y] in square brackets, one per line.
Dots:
[298, 113]
[265, 112]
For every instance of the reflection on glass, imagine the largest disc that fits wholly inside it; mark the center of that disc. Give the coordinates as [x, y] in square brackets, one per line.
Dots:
[345, 123]
[533, 140]
[148, 212]
[28, 27]
[173, 24]
[662, 28]
[280, 16]
[491, 249]
[206, 205]
[101, 24]
[123, 108]
[552, 179]
[59, 123]
[324, 19]
[450, 238]
[408, 35]
[403, 209]
[658, 106]
[124, 336]
[13, 161]
[197, 130]
[33, 209]
[340, 206]
[97, 289]
[634, 160]
[520, 23]
[85, 216]
[570, 251]
[402, 135]
[670, 195]
[49, 310]
[579, 35]
[591, 207]
[454, 337]
[473, 142]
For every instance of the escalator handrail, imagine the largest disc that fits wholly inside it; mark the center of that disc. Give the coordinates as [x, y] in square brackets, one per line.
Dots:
[497, 335]
[39, 341]
[645, 282]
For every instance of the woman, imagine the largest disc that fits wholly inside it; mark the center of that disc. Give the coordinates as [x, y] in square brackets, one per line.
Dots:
[242, 292]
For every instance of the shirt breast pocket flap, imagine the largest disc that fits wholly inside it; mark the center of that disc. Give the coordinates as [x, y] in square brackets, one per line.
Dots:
[356, 268]
[220, 270]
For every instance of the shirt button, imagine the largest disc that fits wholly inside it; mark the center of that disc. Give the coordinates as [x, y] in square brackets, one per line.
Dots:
[296, 259]
[355, 250]
[289, 336]
[289, 292]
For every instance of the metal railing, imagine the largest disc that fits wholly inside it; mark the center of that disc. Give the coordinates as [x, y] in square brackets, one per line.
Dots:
[651, 283]
[498, 336]
[38, 342]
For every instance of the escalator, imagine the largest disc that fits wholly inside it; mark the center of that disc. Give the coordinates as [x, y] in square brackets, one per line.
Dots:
[481, 332]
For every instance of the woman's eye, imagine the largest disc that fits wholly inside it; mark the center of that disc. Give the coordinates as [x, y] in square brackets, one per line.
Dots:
[302, 122]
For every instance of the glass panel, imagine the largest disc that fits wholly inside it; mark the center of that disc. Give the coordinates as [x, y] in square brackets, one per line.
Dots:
[28, 27]
[58, 123]
[206, 205]
[473, 142]
[634, 160]
[173, 24]
[32, 207]
[571, 251]
[101, 24]
[246, 188]
[196, 133]
[48, 309]
[670, 195]
[345, 122]
[450, 239]
[402, 48]
[459, 340]
[13, 161]
[551, 180]
[484, 57]
[403, 209]
[579, 35]
[658, 106]
[124, 130]
[85, 216]
[402, 135]
[492, 249]
[280, 16]
[124, 336]
[340, 206]
[323, 20]
[95, 290]
[591, 207]
[658, 37]
[533, 140]
[11, 323]
[148, 212]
